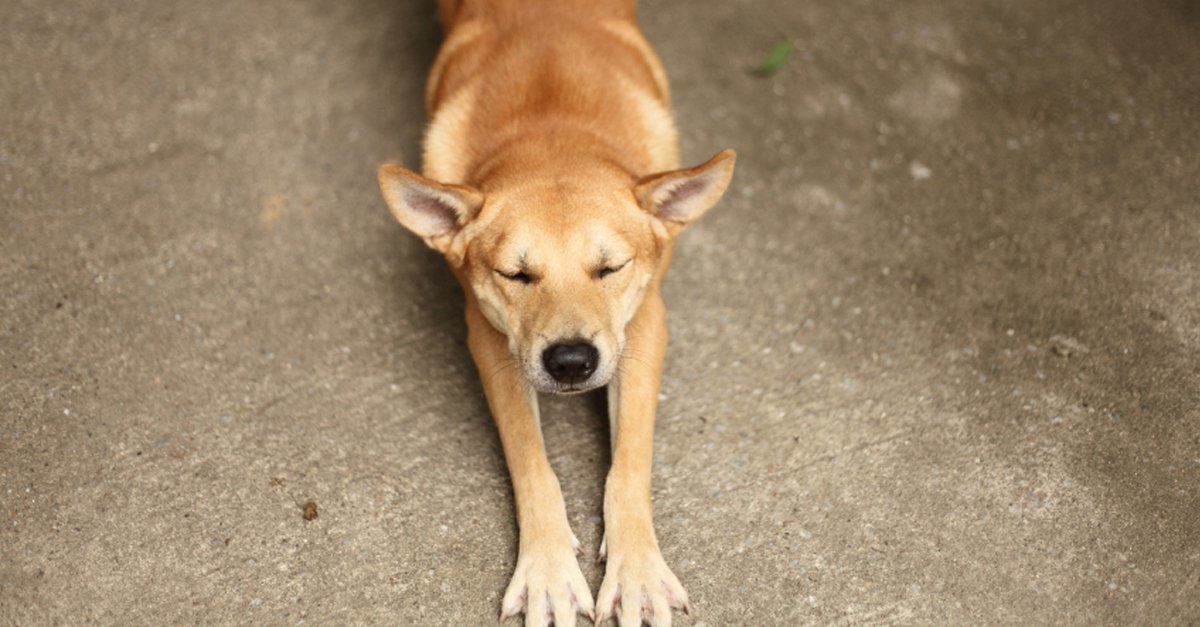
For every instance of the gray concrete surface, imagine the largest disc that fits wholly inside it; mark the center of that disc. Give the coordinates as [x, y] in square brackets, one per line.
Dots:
[933, 360]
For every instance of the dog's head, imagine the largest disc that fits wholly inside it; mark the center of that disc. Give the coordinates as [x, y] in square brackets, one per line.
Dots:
[558, 266]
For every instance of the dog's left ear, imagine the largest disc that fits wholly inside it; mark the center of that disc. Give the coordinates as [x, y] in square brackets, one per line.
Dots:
[679, 197]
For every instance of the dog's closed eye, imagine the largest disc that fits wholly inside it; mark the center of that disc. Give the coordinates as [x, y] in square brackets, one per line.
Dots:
[607, 270]
[517, 277]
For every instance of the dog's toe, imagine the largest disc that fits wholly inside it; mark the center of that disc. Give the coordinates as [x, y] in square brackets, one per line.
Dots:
[514, 598]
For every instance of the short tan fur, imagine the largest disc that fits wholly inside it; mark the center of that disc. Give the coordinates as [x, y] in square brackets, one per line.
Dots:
[551, 186]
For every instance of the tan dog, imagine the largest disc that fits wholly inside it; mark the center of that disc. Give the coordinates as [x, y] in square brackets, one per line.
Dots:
[552, 192]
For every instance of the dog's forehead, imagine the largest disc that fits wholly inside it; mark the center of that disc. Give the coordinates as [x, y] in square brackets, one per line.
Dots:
[560, 215]
[535, 241]
[596, 237]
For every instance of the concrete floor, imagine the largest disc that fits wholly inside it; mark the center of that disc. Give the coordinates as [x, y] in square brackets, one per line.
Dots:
[933, 360]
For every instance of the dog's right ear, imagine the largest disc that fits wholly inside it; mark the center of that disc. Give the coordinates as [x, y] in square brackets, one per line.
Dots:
[434, 211]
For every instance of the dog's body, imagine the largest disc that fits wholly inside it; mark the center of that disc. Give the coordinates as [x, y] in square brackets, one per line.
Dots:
[552, 193]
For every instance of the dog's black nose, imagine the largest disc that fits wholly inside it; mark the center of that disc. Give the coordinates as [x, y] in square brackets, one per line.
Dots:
[571, 362]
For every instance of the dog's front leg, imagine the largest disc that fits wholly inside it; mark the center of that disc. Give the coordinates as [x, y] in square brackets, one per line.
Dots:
[547, 583]
[636, 578]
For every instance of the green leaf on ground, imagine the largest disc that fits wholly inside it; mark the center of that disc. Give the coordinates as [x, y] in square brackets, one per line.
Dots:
[776, 57]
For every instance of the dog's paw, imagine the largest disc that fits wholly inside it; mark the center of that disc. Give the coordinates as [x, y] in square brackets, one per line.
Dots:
[548, 587]
[638, 587]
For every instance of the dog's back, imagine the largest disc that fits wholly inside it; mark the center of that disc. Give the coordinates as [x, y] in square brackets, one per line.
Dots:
[573, 79]
[451, 10]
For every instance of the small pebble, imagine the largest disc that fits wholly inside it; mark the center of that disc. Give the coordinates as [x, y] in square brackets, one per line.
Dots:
[919, 171]
[1064, 346]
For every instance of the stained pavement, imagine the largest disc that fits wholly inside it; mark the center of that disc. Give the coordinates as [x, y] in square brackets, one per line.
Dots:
[933, 359]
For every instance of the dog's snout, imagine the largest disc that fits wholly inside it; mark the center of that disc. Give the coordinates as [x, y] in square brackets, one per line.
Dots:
[571, 362]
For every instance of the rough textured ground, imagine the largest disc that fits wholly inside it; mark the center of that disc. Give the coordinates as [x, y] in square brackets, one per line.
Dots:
[933, 360]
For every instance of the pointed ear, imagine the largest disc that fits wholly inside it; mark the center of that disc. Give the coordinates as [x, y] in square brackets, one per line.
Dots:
[434, 211]
[680, 196]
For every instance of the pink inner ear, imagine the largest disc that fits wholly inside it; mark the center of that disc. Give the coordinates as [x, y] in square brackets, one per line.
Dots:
[434, 213]
[675, 205]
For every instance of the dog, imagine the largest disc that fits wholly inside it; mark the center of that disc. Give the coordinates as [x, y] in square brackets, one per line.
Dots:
[551, 185]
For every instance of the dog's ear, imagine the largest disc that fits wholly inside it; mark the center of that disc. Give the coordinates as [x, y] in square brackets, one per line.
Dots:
[435, 211]
[680, 196]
